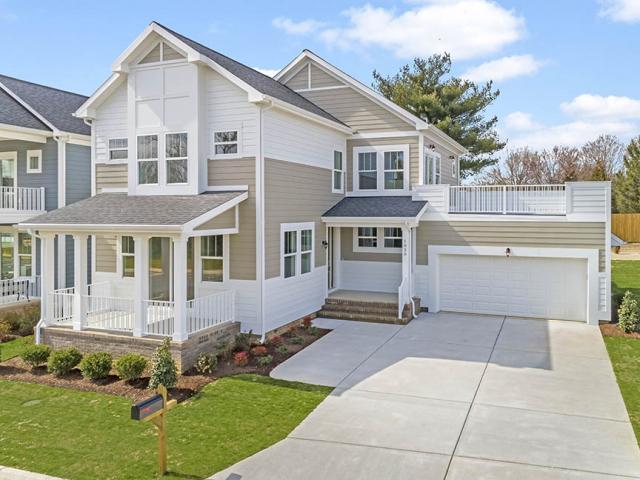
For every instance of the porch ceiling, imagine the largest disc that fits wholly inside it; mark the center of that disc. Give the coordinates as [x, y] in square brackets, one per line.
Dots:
[121, 212]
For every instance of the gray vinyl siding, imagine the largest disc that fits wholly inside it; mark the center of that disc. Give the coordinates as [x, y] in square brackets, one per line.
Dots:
[78, 173]
[511, 234]
[242, 246]
[111, 176]
[414, 155]
[320, 79]
[49, 176]
[295, 193]
[347, 253]
[300, 80]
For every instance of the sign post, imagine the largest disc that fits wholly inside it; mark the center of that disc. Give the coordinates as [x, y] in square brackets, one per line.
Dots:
[153, 410]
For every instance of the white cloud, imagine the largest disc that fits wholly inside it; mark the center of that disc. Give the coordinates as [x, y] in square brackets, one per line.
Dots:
[269, 72]
[519, 121]
[627, 11]
[598, 106]
[465, 28]
[504, 68]
[297, 28]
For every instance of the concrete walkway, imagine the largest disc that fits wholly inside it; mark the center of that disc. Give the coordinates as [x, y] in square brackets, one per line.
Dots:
[461, 397]
[7, 473]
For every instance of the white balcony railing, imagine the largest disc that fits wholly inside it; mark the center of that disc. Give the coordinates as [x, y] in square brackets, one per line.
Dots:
[508, 199]
[205, 312]
[61, 304]
[18, 290]
[22, 199]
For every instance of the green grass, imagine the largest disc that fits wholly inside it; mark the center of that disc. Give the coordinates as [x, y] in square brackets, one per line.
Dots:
[84, 435]
[14, 348]
[625, 275]
[625, 357]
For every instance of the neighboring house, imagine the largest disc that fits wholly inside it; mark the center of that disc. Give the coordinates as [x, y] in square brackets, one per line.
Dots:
[222, 194]
[45, 163]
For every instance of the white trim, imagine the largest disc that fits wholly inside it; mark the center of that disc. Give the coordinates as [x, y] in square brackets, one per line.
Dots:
[14, 132]
[198, 258]
[380, 151]
[114, 190]
[226, 188]
[211, 214]
[394, 134]
[298, 228]
[235, 127]
[34, 153]
[111, 161]
[427, 152]
[342, 171]
[380, 248]
[450, 142]
[319, 89]
[591, 255]
[371, 221]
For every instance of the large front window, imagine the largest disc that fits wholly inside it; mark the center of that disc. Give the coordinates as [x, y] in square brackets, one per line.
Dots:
[147, 153]
[212, 257]
[176, 156]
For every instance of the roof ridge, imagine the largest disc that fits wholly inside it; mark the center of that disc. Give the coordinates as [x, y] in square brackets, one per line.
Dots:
[42, 86]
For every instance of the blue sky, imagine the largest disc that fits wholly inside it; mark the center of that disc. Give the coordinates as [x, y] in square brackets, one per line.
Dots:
[567, 69]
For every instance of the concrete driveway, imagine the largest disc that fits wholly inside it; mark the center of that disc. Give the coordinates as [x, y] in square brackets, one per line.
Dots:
[461, 397]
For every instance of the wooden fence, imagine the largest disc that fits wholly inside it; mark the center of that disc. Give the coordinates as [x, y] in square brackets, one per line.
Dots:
[626, 226]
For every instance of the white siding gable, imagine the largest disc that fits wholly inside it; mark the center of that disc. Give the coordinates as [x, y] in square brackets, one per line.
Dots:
[110, 122]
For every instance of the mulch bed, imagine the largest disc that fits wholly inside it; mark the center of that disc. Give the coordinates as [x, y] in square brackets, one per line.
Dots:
[612, 330]
[189, 383]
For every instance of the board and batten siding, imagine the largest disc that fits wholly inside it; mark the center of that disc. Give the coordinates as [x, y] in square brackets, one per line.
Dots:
[111, 176]
[111, 122]
[511, 234]
[295, 193]
[242, 246]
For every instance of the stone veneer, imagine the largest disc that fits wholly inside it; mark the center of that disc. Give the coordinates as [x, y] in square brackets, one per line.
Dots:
[184, 353]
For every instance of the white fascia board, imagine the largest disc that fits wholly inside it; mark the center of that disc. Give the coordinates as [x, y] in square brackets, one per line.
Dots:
[114, 228]
[88, 108]
[446, 139]
[412, 119]
[310, 116]
[211, 214]
[23, 133]
[78, 139]
[367, 221]
[31, 110]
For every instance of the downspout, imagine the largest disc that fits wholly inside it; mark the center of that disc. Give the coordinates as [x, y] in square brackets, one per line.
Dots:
[41, 322]
[410, 276]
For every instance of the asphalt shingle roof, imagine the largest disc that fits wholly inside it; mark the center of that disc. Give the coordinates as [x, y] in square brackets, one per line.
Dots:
[261, 82]
[12, 113]
[386, 206]
[123, 209]
[56, 106]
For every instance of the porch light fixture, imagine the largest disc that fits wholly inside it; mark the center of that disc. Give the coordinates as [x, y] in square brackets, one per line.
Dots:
[507, 252]
[451, 157]
[325, 244]
[432, 147]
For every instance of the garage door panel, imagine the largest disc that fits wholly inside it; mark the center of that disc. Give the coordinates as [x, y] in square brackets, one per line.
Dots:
[516, 286]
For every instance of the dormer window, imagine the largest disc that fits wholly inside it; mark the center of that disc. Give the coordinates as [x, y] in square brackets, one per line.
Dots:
[147, 152]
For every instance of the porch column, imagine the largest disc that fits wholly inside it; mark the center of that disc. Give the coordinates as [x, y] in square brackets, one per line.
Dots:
[406, 267]
[141, 283]
[180, 331]
[47, 275]
[80, 254]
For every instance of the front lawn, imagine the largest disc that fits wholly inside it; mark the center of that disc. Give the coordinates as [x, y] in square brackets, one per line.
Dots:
[86, 435]
[625, 357]
[13, 348]
[625, 275]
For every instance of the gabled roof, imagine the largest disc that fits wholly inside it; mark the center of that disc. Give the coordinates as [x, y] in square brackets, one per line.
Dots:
[376, 207]
[12, 113]
[52, 108]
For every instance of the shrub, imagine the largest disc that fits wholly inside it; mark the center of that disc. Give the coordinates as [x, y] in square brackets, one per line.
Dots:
[96, 365]
[629, 313]
[35, 355]
[297, 340]
[306, 322]
[259, 351]
[243, 341]
[131, 366]
[282, 350]
[61, 362]
[28, 320]
[241, 359]
[206, 363]
[225, 349]
[13, 320]
[163, 367]
[276, 340]
[264, 361]
[313, 331]
[5, 331]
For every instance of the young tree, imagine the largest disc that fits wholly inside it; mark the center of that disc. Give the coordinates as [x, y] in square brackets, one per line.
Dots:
[626, 185]
[454, 105]
[602, 157]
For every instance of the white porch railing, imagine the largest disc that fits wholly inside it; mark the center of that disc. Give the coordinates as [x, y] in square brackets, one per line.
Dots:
[22, 198]
[99, 289]
[508, 199]
[160, 317]
[109, 313]
[61, 304]
[16, 290]
[205, 312]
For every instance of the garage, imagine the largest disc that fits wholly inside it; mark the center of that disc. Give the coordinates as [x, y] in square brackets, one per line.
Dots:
[539, 287]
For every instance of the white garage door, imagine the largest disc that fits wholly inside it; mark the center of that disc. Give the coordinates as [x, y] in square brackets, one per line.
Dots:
[554, 288]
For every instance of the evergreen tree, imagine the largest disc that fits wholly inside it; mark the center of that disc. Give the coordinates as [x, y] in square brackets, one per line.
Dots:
[454, 105]
[626, 185]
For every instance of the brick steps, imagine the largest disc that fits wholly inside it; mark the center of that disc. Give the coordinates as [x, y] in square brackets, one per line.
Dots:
[359, 311]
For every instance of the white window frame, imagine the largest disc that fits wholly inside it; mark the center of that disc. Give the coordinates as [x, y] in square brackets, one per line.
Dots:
[335, 170]
[20, 256]
[157, 159]
[122, 255]
[454, 167]
[434, 160]
[34, 153]
[298, 228]
[201, 258]
[109, 150]
[226, 128]
[379, 248]
[380, 151]
[169, 159]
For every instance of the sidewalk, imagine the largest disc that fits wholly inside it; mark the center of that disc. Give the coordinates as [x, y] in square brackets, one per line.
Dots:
[7, 473]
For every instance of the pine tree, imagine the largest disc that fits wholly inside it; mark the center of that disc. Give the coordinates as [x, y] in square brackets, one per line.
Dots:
[626, 185]
[454, 105]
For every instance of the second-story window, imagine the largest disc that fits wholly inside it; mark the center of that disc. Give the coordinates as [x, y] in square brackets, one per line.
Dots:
[176, 156]
[118, 148]
[367, 171]
[454, 167]
[127, 249]
[225, 143]
[34, 161]
[393, 170]
[432, 168]
[338, 172]
[147, 153]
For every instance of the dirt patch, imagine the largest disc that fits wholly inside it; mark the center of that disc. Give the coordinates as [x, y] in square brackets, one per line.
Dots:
[189, 383]
[612, 330]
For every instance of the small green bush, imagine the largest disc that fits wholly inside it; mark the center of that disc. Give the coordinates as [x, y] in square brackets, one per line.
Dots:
[163, 367]
[35, 355]
[225, 350]
[243, 341]
[13, 320]
[282, 350]
[27, 320]
[206, 363]
[629, 313]
[130, 367]
[264, 361]
[96, 365]
[313, 330]
[61, 362]
[296, 340]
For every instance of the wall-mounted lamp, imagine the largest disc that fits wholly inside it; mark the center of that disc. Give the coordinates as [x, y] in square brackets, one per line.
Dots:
[325, 244]
[432, 147]
[451, 157]
[507, 252]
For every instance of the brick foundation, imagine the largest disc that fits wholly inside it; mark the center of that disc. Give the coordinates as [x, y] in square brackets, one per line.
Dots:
[184, 353]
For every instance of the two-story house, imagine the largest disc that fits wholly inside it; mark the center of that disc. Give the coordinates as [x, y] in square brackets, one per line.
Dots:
[45, 163]
[226, 199]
